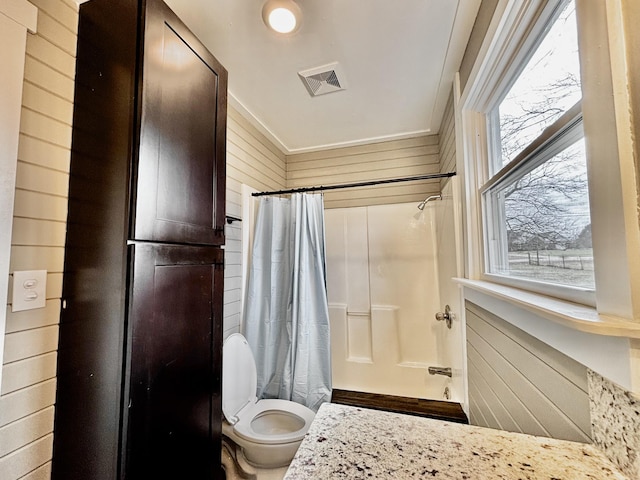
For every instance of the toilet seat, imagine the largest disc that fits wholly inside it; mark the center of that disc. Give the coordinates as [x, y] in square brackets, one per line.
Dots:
[243, 410]
[300, 417]
[239, 377]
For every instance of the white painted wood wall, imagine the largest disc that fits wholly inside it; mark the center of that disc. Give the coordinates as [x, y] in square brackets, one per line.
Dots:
[16, 17]
[447, 136]
[39, 224]
[520, 384]
[375, 161]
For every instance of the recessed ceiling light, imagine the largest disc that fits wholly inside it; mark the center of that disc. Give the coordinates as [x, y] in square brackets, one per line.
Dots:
[282, 16]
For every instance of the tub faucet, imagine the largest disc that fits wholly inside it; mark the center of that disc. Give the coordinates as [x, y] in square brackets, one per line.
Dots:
[446, 371]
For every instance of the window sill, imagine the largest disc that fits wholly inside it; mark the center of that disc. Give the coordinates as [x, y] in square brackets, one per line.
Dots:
[571, 315]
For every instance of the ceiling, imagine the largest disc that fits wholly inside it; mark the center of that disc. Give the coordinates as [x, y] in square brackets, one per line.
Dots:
[398, 57]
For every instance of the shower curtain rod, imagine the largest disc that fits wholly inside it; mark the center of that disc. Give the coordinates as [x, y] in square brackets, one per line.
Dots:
[354, 185]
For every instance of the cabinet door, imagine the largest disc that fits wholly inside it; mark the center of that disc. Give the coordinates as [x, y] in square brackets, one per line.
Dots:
[173, 416]
[180, 178]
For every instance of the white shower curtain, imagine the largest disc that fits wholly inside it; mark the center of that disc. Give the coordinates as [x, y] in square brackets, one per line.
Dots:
[286, 313]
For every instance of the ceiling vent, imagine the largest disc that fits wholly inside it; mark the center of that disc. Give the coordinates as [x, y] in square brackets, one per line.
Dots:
[324, 79]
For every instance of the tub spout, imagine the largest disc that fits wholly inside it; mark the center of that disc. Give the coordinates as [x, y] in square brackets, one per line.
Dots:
[446, 371]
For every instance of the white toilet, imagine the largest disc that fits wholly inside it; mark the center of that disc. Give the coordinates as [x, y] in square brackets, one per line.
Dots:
[268, 431]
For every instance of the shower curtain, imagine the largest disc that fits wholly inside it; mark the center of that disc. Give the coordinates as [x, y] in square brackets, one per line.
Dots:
[286, 312]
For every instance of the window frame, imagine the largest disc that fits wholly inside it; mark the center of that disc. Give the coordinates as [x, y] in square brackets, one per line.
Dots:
[535, 154]
[511, 34]
[560, 135]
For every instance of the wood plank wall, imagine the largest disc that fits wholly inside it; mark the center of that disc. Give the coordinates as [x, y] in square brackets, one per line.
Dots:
[479, 31]
[253, 160]
[519, 384]
[40, 213]
[447, 136]
[375, 161]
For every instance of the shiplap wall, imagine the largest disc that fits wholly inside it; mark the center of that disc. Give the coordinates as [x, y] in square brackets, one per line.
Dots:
[39, 224]
[254, 161]
[480, 27]
[374, 161]
[517, 383]
[448, 140]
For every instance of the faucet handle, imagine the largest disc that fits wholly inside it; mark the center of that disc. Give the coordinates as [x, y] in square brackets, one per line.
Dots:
[447, 316]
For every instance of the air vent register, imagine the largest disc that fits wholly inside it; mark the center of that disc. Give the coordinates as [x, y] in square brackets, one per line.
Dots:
[325, 79]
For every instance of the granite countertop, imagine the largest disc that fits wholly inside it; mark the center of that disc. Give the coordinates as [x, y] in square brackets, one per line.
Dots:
[358, 443]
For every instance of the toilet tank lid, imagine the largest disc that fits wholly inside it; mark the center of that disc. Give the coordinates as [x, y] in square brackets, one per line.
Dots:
[239, 376]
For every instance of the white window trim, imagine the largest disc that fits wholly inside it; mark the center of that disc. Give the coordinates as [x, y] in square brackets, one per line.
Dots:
[616, 258]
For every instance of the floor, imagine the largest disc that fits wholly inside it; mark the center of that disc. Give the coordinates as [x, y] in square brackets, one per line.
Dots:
[236, 466]
[440, 410]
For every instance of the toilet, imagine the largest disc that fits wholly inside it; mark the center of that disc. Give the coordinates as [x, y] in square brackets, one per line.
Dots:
[268, 431]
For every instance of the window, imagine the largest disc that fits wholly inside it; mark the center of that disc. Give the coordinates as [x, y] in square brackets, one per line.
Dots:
[577, 147]
[547, 87]
[535, 204]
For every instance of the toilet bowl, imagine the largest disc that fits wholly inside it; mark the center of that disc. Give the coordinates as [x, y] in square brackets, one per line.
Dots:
[269, 431]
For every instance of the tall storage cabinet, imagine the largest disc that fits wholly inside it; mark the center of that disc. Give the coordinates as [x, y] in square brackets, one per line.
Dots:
[139, 360]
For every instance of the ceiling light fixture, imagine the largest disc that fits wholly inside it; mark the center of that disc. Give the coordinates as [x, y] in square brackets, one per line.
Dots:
[283, 16]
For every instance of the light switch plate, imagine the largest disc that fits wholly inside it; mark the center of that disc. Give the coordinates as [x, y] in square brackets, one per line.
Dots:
[29, 290]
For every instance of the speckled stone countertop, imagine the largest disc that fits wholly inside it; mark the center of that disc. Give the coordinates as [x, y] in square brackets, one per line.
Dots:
[349, 442]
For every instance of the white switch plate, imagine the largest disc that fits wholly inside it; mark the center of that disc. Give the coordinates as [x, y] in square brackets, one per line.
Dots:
[29, 290]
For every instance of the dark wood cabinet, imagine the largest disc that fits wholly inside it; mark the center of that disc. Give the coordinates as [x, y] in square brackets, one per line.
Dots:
[179, 195]
[174, 389]
[139, 356]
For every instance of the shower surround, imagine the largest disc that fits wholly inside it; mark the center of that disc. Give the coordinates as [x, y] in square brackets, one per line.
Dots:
[383, 288]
